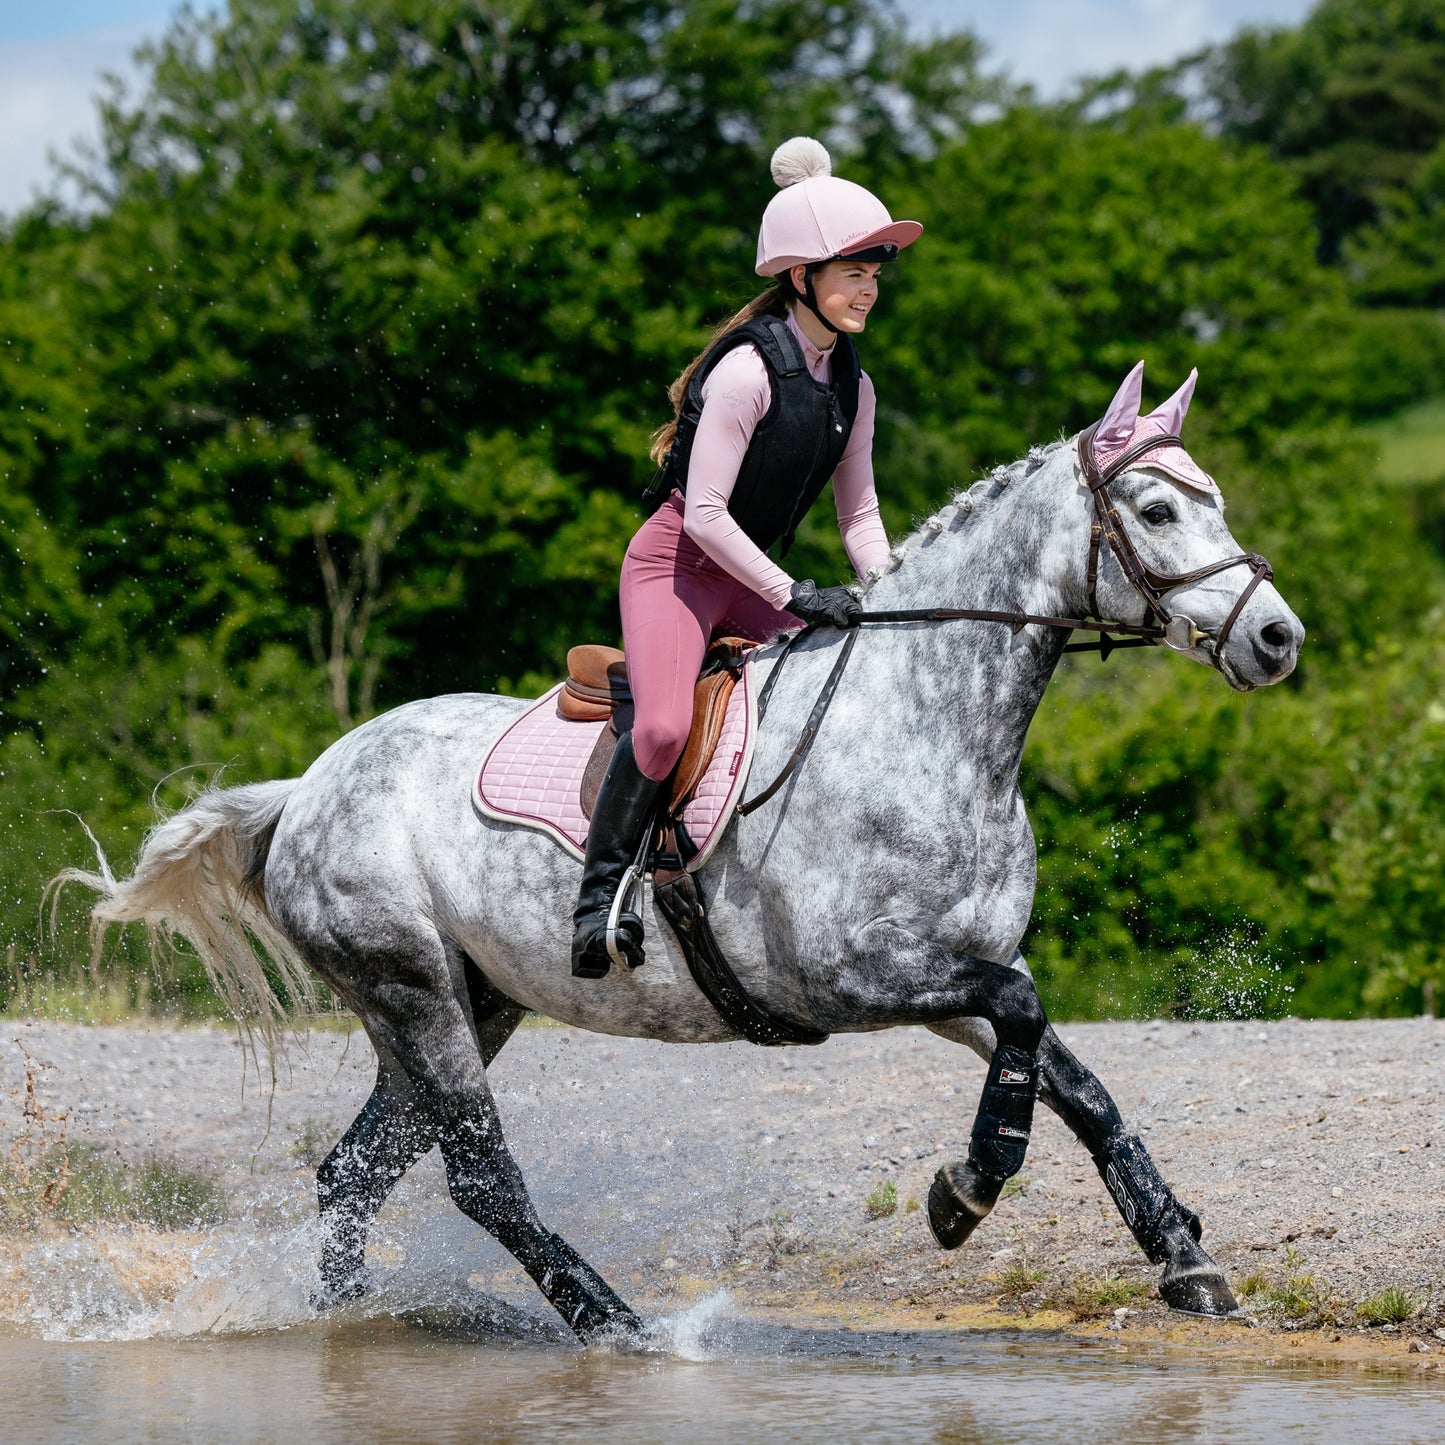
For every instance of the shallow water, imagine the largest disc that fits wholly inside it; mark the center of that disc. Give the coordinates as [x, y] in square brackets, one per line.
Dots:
[494, 1373]
[212, 1337]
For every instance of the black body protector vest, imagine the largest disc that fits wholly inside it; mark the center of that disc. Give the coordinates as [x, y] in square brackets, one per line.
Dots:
[796, 446]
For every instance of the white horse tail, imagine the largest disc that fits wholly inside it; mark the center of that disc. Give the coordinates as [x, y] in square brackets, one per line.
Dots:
[198, 881]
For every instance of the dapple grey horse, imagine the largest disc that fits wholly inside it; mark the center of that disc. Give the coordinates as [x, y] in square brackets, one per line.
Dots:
[888, 882]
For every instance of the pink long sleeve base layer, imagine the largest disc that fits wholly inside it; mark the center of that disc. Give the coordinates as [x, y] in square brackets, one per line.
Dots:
[736, 397]
[692, 573]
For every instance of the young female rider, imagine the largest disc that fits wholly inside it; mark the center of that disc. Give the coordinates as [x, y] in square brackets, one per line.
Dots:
[772, 409]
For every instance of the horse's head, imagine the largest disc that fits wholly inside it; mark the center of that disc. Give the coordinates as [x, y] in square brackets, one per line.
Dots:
[1165, 554]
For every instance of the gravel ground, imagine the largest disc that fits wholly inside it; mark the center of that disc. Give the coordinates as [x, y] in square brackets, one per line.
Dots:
[1314, 1151]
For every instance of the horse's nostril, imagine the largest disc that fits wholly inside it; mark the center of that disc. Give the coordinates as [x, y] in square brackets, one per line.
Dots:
[1276, 634]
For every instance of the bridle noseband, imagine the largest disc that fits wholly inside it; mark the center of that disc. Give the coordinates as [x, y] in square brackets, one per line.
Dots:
[1177, 631]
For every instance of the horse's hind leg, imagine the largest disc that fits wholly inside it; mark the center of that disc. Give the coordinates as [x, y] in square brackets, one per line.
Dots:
[413, 1004]
[393, 1130]
[1167, 1231]
[396, 1127]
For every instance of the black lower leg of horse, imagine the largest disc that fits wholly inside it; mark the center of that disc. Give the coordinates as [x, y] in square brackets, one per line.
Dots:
[898, 973]
[1167, 1231]
[964, 1191]
[394, 1129]
[487, 1185]
[425, 1028]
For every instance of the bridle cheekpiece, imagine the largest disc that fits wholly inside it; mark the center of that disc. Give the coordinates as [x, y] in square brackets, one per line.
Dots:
[1176, 630]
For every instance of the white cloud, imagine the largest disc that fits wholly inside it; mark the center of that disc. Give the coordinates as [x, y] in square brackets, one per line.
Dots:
[47, 102]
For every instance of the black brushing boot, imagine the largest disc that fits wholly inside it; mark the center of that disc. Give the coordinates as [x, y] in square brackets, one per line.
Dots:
[964, 1192]
[624, 808]
[1167, 1231]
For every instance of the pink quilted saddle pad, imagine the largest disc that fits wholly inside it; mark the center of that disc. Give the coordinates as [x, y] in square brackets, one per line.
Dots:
[532, 774]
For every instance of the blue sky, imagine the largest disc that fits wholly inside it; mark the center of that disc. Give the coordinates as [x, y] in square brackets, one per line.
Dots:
[53, 51]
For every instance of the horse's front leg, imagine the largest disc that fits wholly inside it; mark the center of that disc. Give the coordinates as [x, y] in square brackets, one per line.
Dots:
[898, 975]
[1167, 1231]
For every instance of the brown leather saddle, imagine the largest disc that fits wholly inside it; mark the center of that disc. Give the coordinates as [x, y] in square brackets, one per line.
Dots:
[597, 688]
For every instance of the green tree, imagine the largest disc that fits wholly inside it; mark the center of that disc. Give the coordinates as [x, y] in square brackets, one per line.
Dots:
[1352, 100]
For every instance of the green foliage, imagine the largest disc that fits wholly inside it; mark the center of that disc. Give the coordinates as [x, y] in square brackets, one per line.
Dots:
[882, 1200]
[1390, 1306]
[1294, 1293]
[339, 391]
[1352, 100]
[1400, 260]
[1092, 1298]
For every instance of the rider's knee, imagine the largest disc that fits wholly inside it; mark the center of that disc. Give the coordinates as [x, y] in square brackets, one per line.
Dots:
[657, 744]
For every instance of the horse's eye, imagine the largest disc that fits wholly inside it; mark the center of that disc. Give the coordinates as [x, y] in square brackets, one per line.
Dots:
[1158, 514]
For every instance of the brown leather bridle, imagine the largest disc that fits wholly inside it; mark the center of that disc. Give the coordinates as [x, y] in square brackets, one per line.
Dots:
[1152, 586]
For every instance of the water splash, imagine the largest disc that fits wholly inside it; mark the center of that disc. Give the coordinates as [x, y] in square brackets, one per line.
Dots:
[690, 1334]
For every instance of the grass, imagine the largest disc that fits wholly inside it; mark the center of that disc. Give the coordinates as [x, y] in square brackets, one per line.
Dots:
[1391, 1306]
[1093, 1297]
[1295, 1293]
[1412, 444]
[46, 1180]
[311, 1141]
[1020, 1278]
[883, 1201]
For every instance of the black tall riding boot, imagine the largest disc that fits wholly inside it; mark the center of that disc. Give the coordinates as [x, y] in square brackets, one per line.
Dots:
[622, 810]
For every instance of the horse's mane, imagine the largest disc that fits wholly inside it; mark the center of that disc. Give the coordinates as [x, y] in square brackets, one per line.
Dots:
[956, 512]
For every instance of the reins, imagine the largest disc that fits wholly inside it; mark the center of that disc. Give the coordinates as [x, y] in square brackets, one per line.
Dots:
[1107, 526]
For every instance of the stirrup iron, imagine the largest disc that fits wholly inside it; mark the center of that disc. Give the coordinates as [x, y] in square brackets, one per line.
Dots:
[629, 896]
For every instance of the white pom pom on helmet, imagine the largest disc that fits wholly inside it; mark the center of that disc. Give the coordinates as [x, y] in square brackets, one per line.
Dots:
[818, 216]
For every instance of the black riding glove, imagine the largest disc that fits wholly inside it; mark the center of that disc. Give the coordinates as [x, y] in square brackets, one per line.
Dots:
[831, 606]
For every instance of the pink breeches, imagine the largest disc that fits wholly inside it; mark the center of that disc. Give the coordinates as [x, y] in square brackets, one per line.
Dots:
[675, 599]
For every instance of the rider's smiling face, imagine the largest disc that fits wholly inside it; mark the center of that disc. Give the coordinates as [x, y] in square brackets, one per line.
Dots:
[845, 290]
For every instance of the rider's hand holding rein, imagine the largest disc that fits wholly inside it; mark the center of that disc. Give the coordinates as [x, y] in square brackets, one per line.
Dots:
[773, 408]
[831, 606]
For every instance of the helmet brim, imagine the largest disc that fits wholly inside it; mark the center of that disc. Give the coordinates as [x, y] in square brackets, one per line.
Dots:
[897, 234]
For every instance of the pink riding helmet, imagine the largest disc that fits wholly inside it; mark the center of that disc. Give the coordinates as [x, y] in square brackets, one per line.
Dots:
[818, 216]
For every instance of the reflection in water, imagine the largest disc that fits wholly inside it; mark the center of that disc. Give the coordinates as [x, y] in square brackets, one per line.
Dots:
[496, 1376]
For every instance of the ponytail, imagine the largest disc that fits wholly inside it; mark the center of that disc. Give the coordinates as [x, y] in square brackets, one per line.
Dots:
[772, 302]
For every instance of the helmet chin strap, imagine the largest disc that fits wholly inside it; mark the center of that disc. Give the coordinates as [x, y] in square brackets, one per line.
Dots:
[882, 254]
[809, 297]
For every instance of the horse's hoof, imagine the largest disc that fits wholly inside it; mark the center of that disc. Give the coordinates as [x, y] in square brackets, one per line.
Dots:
[621, 1328]
[341, 1291]
[957, 1204]
[1198, 1291]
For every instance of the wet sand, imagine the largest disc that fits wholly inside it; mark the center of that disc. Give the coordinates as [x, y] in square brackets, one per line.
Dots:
[1313, 1150]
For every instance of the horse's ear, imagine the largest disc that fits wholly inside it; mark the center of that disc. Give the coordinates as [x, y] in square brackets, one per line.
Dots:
[1171, 415]
[1115, 430]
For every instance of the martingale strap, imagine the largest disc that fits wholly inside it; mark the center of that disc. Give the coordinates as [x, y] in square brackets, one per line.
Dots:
[680, 901]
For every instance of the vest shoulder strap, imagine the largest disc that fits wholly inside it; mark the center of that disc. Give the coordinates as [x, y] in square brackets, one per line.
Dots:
[779, 347]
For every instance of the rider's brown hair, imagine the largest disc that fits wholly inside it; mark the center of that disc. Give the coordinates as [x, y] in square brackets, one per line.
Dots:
[772, 302]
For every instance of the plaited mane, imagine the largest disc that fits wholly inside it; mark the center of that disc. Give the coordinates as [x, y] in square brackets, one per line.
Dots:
[955, 513]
